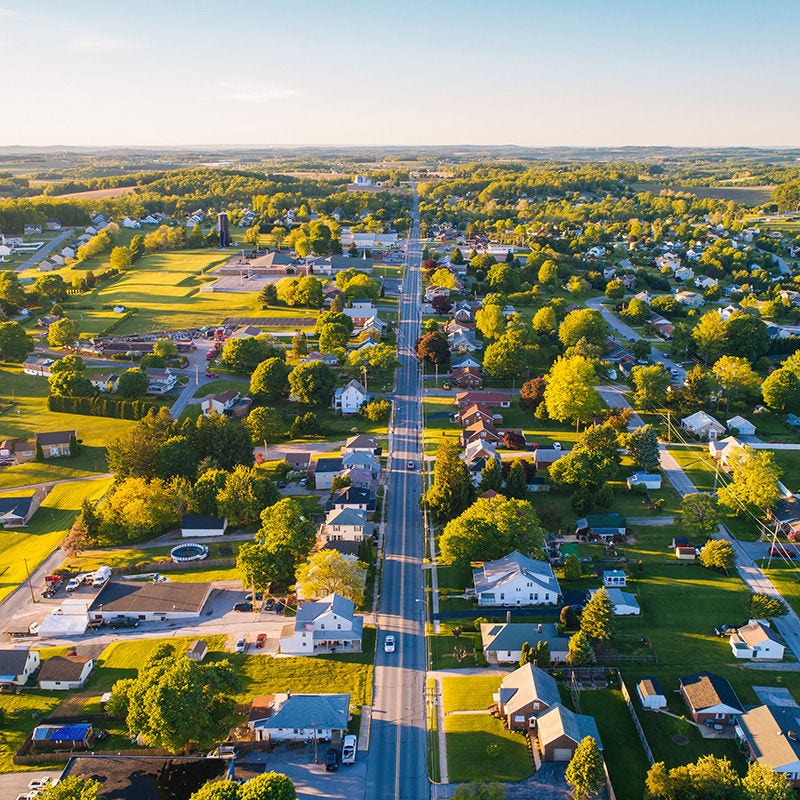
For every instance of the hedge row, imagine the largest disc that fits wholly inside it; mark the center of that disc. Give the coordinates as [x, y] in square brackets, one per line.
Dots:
[117, 322]
[100, 406]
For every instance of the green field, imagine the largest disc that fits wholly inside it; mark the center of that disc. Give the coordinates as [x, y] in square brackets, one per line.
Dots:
[45, 531]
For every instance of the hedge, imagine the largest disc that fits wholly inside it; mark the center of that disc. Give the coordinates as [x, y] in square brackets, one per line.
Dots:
[100, 406]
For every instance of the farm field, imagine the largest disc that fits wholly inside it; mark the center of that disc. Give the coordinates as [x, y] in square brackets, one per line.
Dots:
[45, 531]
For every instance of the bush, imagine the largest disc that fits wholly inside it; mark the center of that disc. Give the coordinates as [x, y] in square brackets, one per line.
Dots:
[100, 406]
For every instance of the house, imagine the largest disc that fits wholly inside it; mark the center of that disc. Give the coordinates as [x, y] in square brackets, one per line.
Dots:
[480, 430]
[601, 526]
[197, 651]
[469, 415]
[741, 426]
[24, 450]
[345, 525]
[69, 252]
[463, 343]
[664, 328]
[559, 731]
[63, 673]
[685, 552]
[703, 282]
[756, 641]
[360, 311]
[160, 381]
[770, 733]
[362, 460]
[105, 382]
[17, 510]
[328, 625]
[299, 717]
[690, 299]
[38, 366]
[432, 292]
[623, 603]
[351, 497]
[467, 377]
[32, 229]
[614, 578]
[299, 462]
[17, 665]
[731, 310]
[684, 274]
[465, 361]
[62, 737]
[326, 358]
[325, 470]
[785, 512]
[47, 320]
[150, 601]
[360, 443]
[644, 296]
[543, 457]
[221, 403]
[525, 694]
[361, 478]
[195, 526]
[516, 580]
[52, 225]
[485, 397]
[722, 450]
[710, 698]
[349, 398]
[502, 642]
[129, 222]
[702, 425]
[56, 259]
[56, 443]
[650, 694]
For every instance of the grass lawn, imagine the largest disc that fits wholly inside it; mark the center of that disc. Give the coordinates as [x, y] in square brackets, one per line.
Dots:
[786, 580]
[21, 712]
[45, 531]
[468, 738]
[215, 387]
[469, 693]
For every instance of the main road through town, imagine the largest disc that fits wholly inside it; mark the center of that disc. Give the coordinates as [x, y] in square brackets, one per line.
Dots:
[397, 765]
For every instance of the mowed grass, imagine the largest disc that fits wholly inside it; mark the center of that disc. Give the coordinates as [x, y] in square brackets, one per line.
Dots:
[470, 692]
[21, 715]
[45, 531]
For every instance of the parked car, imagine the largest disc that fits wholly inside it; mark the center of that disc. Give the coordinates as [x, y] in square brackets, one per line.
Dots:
[73, 584]
[349, 749]
[389, 645]
[211, 375]
[269, 604]
[331, 760]
[122, 622]
[261, 639]
[241, 645]
[6, 463]
[242, 606]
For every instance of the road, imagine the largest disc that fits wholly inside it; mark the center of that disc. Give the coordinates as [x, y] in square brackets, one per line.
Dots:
[397, 766]
[42, 252]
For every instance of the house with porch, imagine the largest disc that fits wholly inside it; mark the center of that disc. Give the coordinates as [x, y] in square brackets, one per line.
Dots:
[710, 698]
[525, 694]
[502, 642]
[703, 425]
[756, 641]
[516, 580]
[349, 398]
[293, 717]
[770, 736]
[328, 625]
[55, 444]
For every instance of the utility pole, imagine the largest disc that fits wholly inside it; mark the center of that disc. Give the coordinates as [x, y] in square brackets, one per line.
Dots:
[30, 585]
[316, 754]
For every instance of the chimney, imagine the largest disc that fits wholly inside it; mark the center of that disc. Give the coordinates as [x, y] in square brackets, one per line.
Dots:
[791, 735]
[508, 616]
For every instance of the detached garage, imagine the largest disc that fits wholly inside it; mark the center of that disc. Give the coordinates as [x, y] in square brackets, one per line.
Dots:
[650, 694]
[194, 526]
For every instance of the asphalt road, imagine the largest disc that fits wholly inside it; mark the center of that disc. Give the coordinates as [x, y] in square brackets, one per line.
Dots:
[397, 762]
[45, 250]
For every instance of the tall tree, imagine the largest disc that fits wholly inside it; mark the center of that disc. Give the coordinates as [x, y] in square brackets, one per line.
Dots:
[718, 554]
[570, 392]
[642, 445]
[781, 391]
[585, 323]
[72, 788]
[710, 335]
[754, 480]
[434, 348]
[265, 425]
[586, 772]
[747, 337]
[312, 383]
[490, 320]
[699, 515]
[62, 333]
[580, 652]
[738, 380]
[597, 619]
[270, 380]
[491, 477]
[328, 571]
[763, 783]
[15, 344]
[651, 384]
[517, 481]
[452, 490]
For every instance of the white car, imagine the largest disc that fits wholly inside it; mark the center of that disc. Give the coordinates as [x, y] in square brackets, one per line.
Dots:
[241, 645]
[389, 644]
[349, 749]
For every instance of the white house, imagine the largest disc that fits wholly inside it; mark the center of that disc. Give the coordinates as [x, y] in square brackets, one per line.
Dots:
[328, 625]
[349, 398]
[17, 665]
[129, 222]
[683, 273]
[293, 717]
[644, 296]
[741, 426]
[722, 449]
[502, 642]
[361, 310]
[650, 694]
[614, 578]
[194, 526]
[757, 642]
[105, 382]
[650, 480]
[38, 366]
[690, 299]
[221, 403]
[703, 425]
[64, 673]
[704, 282]
[160, 381]
[624, 603]
[325, 470]
[345, 525]
[68, 252]
[516, 580]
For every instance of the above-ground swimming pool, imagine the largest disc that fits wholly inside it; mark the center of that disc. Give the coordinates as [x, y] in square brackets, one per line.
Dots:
[189, 552]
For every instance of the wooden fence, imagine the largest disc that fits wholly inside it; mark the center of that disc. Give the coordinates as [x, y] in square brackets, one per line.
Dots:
[636, 724]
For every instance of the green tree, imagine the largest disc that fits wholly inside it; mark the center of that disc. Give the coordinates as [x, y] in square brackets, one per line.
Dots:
[651, 384]
[738, 380]
[781, 391]
[548, 273]
[540, 655]
[490, 321]
[524, 654]
[176, 457]
[68, 378]
[592, 461]
[641, 349]
[444, 278]
[284, 522]
[268, 786]
[62, 333]
[545, 320]
[642, 445]
[265, 424]
[511, 355]
[165, 348]
[299, 344]
[765, 606]
[747, 337]
[245, 495]
[763, 783]
[699, 515]
[72, 788]
[718, 554]
[15, 344]
[204, 491]
[491, 528]
[615, 289]
[132, 383]
[580, 652]
[491, 477]
[710, 335]
[136, 247]
[217, 790]
[597, 619]
[517, 481]
[328, 571]
[572, 568]
[12, 295]
[754, 480]
[50, 288]
[586, 772]
[570, 392]
[120, 258]
[452, 490]
[637, 311]
[312, 383]
[585, 323]
[269, 381]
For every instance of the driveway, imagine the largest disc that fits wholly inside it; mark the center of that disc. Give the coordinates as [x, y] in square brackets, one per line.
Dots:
[15, 783]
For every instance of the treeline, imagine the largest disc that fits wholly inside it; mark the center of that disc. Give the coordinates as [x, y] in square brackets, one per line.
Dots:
[101, 406]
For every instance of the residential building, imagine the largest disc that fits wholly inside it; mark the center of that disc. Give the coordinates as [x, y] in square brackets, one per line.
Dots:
[362, 460]
[38, 366]
[516, 580]
[559, 731]
[328, 625]
[150, 601]
[756, 641]
[325, 470]
[348, 524]
[690, 299]
[524, 695]
[17, 510]
[194, 526]
[741, 426]
[360, 443]
[722, 449]
[651, 694]
[64, 673]
[623, 603]
[18, 664]
[221, 403]
[56, 443]
[703, 425]
[299, 717]
[770, 733]
[105, 382]
[349, 398]
[614, 578]
[502, 642]
[710, 698]
[606, 527]
[160, 381]
[485, 397]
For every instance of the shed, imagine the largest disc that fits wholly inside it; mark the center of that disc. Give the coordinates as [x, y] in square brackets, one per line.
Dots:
[195, 526]
[197, 651]
[685, 552]
[650, 694]
[741, 426]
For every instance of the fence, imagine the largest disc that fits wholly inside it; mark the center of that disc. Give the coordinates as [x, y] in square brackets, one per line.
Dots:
[636, 724]
[171, 566]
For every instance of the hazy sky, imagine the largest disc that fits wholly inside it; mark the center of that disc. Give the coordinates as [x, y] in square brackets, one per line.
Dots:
[527, 72]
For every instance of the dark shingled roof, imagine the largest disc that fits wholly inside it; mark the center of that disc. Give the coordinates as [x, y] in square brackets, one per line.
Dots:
[129, 597]
[704, 689]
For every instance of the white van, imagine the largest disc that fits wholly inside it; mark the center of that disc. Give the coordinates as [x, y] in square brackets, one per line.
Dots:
[349, 749]
[101, 575]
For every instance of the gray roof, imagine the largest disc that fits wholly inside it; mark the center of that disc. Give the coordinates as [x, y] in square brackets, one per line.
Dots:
[766, 730]
[348, 516]
[18, 506]
[326, 711]
[308, 612]
[132, 597]
[618, 598]
[54, 437]
[526, 684]
[496, 573]
[328, 465]
[512, 635]
[63, 668]
[12, 662]
[360, 441]
[560, 721]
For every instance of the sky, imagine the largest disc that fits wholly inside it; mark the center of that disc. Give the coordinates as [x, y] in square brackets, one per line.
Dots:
[534, 73]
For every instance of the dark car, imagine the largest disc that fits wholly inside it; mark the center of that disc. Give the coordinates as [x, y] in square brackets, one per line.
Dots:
[725, 630]
[242, 606]
[331, 760]
[278, 607]
[259, 596]
[122, 622]
[269, 604]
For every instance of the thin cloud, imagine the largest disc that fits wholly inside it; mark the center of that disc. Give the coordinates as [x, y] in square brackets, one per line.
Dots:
[101, 43]
[243, 92]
